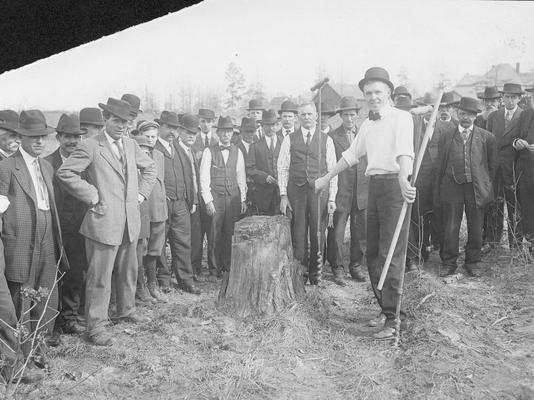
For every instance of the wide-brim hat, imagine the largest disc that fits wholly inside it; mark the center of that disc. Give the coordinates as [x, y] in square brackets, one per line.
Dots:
[490, 93]
[376, 74]
[404, 103]
[401, 91]
[33, 123]
[469, 104]
[269, 117]
[348, 103]
[248, 125]
[512, 88]
[225, 123]
[92, 116]
[9, 120]
[255, 104]
[119, 108]
[288, 106]
[69, 124]
[169, 118]
[325, 109]
[189, 122]
[448, 99]
[134, 102]
[206, 113]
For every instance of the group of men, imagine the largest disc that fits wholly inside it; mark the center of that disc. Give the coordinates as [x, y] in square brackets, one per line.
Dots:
[91, 221]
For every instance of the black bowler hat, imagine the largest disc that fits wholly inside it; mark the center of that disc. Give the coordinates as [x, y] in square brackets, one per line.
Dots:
[9, 120]
[168, 117]
[288, 106]
[33, 123]
[91, 116]
[404, 103]
[69, 125]
[348, 103]
[469, 104]
[376, 74]
[255, 104]
[134, 102]
[118, 108]
[512, 88]
[401, 91]
[448, 99]
[490, 93]
[269, 117]
[189, 122]
[248, 125]
[205, 113]
[225, 123]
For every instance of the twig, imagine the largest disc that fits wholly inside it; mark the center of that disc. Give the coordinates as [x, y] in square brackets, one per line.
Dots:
[424, 299]
[77, 383]
[499, 320]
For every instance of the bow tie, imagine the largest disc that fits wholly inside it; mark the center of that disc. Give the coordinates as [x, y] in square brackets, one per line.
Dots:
[224, 147]
[374, 115]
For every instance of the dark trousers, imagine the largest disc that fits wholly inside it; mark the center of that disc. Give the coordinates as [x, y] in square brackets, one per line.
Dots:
[197, 239]
[460, 197]
[44, 275]
[336, 236]
[9, 344]
[425, 225]
[305, 222]
[504, 193]
[383, 211]
[179, 235]
[227, 211]
[525, 168]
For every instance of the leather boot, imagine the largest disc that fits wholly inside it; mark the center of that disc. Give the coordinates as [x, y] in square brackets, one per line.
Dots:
[339, 275]
[356, 273]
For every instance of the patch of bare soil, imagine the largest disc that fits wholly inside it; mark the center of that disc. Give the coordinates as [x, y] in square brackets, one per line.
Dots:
[472, 338]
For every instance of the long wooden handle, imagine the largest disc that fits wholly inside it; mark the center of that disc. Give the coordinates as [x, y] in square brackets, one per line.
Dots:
[426, 138]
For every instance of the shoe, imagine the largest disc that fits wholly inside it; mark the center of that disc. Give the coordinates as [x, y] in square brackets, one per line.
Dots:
[54, 340]
[165, 287]
[385, 333]
[102, 339]
[339, 275]
[446, 270]
[142, 295]
[411, 265]
[73, 327]
[189, 288]
[472, 270]
[378, 320]
[356, 273]
[154, 292]
[134, 318]
[212, 278]
[196, 278]
[487, 248]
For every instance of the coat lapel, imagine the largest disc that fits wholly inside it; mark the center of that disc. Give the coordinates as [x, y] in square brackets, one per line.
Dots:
[107, 154]
[23, 176]
[513, 122]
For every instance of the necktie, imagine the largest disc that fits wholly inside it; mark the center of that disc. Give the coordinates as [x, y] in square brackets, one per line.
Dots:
[508, 115]
[206, 142]
[465, 135]
[349, 136]
[41, 186]
[120, 149]
[225, 147]
[190, 154]
[374, 116]
[288, 132]
[271, 145]
[308, 136]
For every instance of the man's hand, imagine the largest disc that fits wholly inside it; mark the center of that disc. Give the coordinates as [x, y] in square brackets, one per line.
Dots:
[95, 201]
[331, 206]
[210, 208]
[193, 209]
[321, 183]
[408, 191]
[271, 181]
[284, 204]
[140, 198]
[243, 207]
[520, 144]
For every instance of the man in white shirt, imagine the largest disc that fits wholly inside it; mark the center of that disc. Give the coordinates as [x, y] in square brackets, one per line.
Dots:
[288, 113]
[223, 187]
[386, 137]
[299, 166]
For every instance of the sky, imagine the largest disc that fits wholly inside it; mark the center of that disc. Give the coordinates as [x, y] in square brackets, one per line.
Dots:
[284, 45]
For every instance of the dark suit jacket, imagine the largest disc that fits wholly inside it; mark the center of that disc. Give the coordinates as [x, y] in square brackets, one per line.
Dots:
[526, 132]
[18, 232]
[182, 163]
[345, 180]
[198, 146]
[483, 164]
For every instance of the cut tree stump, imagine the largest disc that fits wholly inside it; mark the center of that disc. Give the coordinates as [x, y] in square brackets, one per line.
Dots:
[264, 278]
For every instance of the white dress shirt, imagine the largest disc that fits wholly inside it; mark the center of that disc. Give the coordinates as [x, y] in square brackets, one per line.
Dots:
[285, 131]
[42, 198]
[205, 174]
[284, 160]
[191, 156]
[462, 130]
[247, 146]
[510, 112]
[271, 141]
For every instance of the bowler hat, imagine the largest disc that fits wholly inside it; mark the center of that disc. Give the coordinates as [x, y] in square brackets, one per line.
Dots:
[512, 88]
[255, 104]
[376, 74]
[490, 92]
[401, 91]
[225, 123]
[469, 104]
[92, 116]
[69, 124]
[325, 109]
[169, 118]
[144, 126]
[134, 103]
[348, 103]
[119, 108]
[404, 103]
[189, 122]
[448, 99]
[269, 117]
[9, 120]
[33, 123]
[248, 125]
[142, 141]
[288, 106]
[206, 113]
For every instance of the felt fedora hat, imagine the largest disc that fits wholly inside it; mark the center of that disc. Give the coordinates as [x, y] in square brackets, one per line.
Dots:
[376, 74]
[490, 92]
[225, 123]
[91, 116]
[348, 103]
[119, 108]
[469, 104]
[33, 123]
[325, 109]
[206, 113]
[288, 106]
[255, 104]
[9, 120]
[134, 102]
[512, 88]
[169, 118]
[269, 117]
[404, 103]
[448, 99]
[190, 122]
[69, 124]
[247, 125]
[401, 91]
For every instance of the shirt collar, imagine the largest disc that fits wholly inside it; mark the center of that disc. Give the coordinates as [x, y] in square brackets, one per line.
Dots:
[462, 129]
[187, 149]
[28, 159]
[2, 152]
[164, 142]
[206, 134]
[109, 138]
[506, 111]
[305, 131]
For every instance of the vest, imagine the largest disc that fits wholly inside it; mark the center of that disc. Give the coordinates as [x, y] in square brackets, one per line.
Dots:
[459, 160]
[175, 188]
[223, 176]
[304, 165]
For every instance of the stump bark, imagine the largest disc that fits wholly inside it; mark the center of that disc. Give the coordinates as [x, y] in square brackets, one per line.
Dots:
[263, 278]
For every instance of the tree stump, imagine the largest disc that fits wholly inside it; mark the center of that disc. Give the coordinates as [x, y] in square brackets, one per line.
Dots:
[263, 278]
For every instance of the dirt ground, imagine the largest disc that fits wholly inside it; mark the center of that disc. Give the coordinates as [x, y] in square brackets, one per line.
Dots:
[471, 338]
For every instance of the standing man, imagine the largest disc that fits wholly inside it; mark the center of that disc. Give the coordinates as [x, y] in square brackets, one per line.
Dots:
[206, 138]
[9, 121]
[254, 111]
[31, 234]
[298, 168]
[504, 124]
[288, 113]
[386, 137]
[71, 212]
[326, 114]
[467, 164]
[224, 189]
[351, 200]
[401, 92]
[113, 192]
[134, 102]
[447, 109]
[246, 139]
[91, 122]
[261, 166]
[491, 99]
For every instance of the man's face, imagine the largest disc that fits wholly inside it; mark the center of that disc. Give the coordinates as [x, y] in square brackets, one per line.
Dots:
[8, 141]
[444, 114]
[152, 136]
[349, 119]
[466, 118]
[256, 114]
[33, 145]
[510, 100]
[131, 125]
[116, 127]
[288, 120]
[307, 116]
[247, 136]
[167, 132]
[68, 143]
[187, 138]
[453, 111]
[205, 125]
[376, 95]
[90, 130]
[491, 104]
[324, 121]
[225, 135]
[268, 129]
